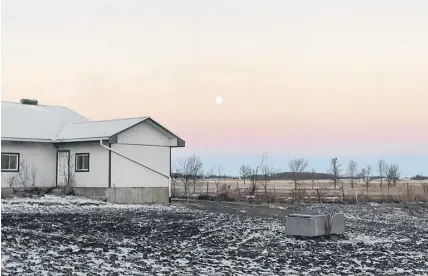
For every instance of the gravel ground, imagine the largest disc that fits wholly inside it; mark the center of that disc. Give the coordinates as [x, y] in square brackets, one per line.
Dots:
[75, 236]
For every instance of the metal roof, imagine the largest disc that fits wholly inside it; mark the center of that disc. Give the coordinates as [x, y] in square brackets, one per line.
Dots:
[34, 122]
[42, 123]
[95, 129]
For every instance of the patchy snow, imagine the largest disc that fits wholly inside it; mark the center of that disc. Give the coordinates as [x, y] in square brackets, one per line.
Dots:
[77, 236]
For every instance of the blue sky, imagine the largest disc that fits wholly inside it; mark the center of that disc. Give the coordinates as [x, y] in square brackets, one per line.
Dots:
[409, 165]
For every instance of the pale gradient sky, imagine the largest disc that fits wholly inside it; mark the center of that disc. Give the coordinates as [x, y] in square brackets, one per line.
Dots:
[310, 78]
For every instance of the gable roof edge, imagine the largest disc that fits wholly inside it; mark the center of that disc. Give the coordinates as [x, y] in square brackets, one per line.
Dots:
[180, 142]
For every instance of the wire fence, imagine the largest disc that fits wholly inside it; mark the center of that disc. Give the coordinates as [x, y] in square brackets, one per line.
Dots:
[311, 191]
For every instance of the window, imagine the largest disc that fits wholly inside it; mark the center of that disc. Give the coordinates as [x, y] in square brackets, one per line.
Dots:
[9, 162]
[82, 162]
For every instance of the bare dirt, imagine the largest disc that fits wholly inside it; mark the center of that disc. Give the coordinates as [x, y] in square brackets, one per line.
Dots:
[73, 236]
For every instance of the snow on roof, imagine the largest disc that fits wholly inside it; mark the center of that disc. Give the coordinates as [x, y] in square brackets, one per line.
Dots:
[34, 122]
[42, 123]
[96, 129]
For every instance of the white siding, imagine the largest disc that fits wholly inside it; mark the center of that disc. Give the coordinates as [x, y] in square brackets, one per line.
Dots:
[125, 173]
[146, 133]
[40, 155]
[98, 164]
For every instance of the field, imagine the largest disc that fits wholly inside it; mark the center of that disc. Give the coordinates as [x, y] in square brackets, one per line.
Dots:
[75, 236]
[282, 190]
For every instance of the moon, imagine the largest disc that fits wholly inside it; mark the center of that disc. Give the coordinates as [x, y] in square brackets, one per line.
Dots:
[218, 100]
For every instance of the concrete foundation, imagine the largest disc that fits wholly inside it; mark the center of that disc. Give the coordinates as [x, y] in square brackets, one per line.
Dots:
[313, 225]
[125, 195]
[138, 195]
[6, 192]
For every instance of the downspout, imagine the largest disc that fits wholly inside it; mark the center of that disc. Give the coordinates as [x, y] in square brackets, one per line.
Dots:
[170, 175]
[135, 161]
[169, 188]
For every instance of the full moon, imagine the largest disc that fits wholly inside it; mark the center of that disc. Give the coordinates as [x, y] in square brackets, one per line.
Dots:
[218, 100]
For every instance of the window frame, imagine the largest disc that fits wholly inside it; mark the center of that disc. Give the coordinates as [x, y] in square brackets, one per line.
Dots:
[76, 158]
[17, 161]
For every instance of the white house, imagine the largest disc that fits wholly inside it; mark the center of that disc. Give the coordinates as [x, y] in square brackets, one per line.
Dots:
[123, 160]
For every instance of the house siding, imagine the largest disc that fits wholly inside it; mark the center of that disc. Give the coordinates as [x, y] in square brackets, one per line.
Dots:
[146, 133]
[125, 173]
[98, 174]
[40, 155]
[148, 145]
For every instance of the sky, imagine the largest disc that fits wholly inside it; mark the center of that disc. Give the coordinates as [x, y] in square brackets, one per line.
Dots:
[313, 79]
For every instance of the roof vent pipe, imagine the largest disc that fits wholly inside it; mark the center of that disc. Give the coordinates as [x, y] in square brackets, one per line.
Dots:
[29, 101]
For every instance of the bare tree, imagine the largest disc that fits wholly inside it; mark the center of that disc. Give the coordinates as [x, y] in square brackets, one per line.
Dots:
[197, 170]
[11, 180]
[244, 172]
[368, 174]
[393, 174]
[253, 182]
[189, 169]
[25, 178]
[297, 166]
[352, 171]
[362, 175]
[335, 170]
[225, 188]
[382, 168]
[66, 172]
[209, 174]
[254, 174]
[313, 172]
[218, 171]
[268, 173]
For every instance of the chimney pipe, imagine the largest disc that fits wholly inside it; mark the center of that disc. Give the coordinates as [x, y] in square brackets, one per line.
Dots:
[29, 101]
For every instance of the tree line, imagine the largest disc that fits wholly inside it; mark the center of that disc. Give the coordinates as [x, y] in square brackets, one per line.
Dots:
[191, 169]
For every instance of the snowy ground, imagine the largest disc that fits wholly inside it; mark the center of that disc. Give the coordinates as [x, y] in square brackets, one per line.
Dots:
[74, 236]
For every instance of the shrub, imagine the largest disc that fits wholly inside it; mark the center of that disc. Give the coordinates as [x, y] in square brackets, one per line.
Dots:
[205, 197]
[224, 197]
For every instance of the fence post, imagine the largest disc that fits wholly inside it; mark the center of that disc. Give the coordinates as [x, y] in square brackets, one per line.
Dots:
[388, 190]
[274, 194]
[343, 195]
[408, 192]
[294, 196]
[367, 190]
[174, 189]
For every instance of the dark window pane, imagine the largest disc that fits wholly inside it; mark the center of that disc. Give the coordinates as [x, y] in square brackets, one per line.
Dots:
[86, 162]
[80, 162]
[4, 162]
[13, 162]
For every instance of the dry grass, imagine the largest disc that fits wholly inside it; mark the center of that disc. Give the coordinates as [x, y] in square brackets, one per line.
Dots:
[319, 190]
